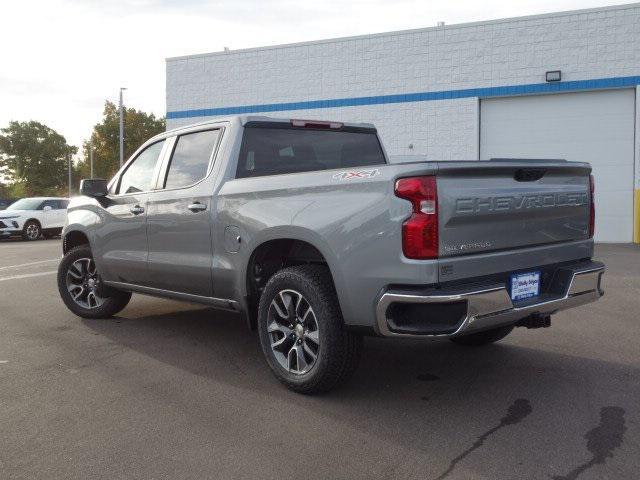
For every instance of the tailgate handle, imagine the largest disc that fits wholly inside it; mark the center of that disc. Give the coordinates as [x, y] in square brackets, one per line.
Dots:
[529, 174]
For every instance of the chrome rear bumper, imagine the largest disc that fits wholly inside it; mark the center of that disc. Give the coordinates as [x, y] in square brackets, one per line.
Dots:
[491, 306]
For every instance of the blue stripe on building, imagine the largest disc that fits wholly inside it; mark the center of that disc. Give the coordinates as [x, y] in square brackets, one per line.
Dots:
[505, 91]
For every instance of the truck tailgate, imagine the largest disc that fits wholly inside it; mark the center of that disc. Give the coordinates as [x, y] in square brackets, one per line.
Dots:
[493, 205]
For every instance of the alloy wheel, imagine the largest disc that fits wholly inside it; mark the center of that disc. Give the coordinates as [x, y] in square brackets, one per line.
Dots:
[33, 232]
[293, 332]
[83, 283]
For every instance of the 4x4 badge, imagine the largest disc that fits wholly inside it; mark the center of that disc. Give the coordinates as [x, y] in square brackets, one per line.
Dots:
[350, 175]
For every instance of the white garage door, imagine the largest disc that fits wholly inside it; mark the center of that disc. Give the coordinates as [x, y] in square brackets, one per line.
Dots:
[594, 127]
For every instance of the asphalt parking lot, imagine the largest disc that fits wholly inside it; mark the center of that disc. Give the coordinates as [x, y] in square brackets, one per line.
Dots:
[173, 390]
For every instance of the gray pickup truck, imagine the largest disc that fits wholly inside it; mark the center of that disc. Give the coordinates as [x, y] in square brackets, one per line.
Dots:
[308, 230]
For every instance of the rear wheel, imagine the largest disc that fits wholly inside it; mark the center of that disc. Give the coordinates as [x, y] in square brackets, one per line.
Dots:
[483, 338]
[81, 287]
[31, 230]
[302, 333]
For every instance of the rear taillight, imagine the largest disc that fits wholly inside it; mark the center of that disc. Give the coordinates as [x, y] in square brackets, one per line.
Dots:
[592, 212]
[420, 231]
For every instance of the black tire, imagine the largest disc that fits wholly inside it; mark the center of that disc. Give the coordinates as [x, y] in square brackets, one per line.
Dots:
[483, 338]
[338, 352]
[31, 231]
[113, 301]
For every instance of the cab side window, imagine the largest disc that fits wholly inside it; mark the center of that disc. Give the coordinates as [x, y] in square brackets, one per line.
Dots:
[191, 157]
[138, 177]
[48, 203]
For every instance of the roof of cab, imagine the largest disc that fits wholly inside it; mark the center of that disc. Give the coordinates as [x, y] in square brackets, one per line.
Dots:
[244, 119]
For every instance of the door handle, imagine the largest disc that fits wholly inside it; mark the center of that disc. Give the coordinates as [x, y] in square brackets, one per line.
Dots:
[137, 210]
[197, 207]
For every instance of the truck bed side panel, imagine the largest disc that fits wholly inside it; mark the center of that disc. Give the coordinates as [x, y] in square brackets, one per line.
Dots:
[355, 223]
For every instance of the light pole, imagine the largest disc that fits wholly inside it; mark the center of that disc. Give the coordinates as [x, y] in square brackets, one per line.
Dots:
[69, 167]
[91, 154]
[121, 128]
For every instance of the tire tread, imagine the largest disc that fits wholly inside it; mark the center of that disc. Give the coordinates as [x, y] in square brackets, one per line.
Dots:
[345, 346]
[113, 304]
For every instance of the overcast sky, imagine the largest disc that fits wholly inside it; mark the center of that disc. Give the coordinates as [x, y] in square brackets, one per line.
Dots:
[60, 59]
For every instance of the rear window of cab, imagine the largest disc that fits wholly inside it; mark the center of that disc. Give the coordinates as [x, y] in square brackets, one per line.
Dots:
[274, 149]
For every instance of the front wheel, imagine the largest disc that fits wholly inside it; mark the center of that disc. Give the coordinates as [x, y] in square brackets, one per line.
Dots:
[31, 231]
[302, 333]
[484, 337]
[81, 288]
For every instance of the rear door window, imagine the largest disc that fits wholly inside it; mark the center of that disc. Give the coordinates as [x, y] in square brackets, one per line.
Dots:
[191, 158]
[279, 149]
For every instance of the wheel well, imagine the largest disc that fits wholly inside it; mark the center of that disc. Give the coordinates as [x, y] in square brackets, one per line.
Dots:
[74, 239]
[270, 257]
[33, 220]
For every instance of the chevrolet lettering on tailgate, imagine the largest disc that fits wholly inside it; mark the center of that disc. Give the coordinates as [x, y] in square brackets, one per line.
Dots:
[473, 205]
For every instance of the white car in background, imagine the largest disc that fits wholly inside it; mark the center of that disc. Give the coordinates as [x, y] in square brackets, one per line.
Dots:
[33, 217]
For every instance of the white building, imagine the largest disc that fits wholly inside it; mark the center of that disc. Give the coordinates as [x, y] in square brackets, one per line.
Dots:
[468, 91]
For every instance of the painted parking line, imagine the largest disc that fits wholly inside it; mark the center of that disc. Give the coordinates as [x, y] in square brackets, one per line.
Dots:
[27, 275]
[9, 267]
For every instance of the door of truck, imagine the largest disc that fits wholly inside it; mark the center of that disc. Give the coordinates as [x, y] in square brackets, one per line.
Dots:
[121, 249]
[179, 217]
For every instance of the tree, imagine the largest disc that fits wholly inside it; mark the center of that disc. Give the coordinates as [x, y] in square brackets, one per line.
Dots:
[34, 158]
[13, 190]
[139, 126]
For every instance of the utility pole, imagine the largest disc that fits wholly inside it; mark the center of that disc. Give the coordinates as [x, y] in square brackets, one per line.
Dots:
[121, 128]
[91, 154]
[69, 167]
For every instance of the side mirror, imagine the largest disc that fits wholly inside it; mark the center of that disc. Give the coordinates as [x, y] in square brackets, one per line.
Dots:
[46, 208]
[93, 187]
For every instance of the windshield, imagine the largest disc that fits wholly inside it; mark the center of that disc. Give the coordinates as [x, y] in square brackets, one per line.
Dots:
[25, 204]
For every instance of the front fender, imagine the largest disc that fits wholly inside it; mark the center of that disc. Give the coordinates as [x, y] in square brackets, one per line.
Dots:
[83, 221]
